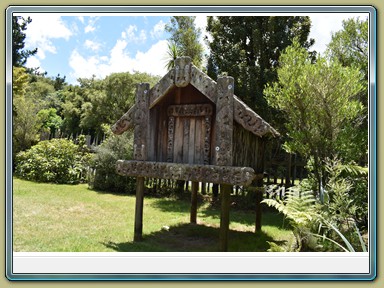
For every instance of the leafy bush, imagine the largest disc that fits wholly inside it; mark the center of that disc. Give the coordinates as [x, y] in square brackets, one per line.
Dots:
[57, 160]
[102, 173]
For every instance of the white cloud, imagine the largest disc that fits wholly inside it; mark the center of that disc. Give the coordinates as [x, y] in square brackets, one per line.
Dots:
[92, 45]
[34, 62]
[42, 29]
[158, 30]
[131, 36]
[81, 19]
[119, 60]
[91, 24]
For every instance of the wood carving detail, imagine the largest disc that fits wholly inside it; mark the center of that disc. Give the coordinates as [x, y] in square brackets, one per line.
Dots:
[207, 139]
[182, 71]
[171, 135]
[250, 120]
[125, 122]
[203, 83]
[141, 122]
[199, 173]
[224, 121]
[190, 110]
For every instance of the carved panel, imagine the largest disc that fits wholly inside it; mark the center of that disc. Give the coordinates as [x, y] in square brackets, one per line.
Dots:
[250, 120]
[182, 71]
[190, 110]
[125, 122]
[199, 173]
[141, 120]
[171, 135]
[207, 139]
[224, 121]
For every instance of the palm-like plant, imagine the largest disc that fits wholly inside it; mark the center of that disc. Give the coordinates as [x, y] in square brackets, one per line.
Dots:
[172, 53]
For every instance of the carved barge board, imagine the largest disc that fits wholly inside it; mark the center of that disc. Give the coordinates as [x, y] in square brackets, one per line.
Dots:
[161, 88]
[250, 120]
[141, 121]
[229, 175]
[125, 122]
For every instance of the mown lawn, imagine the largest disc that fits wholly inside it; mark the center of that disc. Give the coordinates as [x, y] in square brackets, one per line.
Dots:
[73, 218]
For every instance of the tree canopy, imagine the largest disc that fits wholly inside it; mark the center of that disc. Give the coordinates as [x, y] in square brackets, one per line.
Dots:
[248, 48]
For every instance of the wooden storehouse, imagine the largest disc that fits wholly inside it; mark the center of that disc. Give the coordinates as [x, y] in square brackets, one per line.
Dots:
[189, 127]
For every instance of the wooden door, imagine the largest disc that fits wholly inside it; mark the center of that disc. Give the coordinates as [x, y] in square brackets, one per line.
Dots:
[189, 133]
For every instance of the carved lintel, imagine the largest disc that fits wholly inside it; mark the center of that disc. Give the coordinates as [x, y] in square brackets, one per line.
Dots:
[190, 110]
[224, 121]
[241, 176]
[125, 122]
[250, 120]
[182, 71]
[141, 119]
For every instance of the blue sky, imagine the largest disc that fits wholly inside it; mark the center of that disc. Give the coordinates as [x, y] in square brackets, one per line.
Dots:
[82, 45]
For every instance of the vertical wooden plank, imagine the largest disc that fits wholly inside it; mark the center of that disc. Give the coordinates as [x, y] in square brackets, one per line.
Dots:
[225, 192]
[195, 186]
[191, 145]
[138, 235]
[186, 121]
[207, 140]
[178, 141]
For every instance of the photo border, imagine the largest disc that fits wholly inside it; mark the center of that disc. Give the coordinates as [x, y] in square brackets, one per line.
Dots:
[199, 9]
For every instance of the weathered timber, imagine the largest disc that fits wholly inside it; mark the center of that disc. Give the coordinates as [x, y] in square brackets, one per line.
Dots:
[125, 122]
[195, 186]
[250, 120]
[229, 175]
[138, 232]
[182, 71]
[141, 121]
[203, 83]
[225, 194]
[161, 88]
[224, 121]
[171, 134]
[190, 110]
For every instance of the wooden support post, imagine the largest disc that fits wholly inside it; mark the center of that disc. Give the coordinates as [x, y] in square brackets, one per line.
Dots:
[140, 151]
[259, 198]
[223, 150]
[259, 183]
[195, 186]
[139, 209]
[225, 192]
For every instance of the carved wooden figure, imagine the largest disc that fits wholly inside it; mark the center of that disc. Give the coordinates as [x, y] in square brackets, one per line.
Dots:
[188, 127]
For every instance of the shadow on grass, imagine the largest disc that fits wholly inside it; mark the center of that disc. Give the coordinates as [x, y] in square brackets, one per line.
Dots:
[270, 217]
[195, 238]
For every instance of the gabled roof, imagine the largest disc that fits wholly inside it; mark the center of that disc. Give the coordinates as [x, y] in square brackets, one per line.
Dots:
[186, 73]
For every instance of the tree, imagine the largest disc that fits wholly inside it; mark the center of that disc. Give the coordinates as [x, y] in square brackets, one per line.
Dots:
[19, 55]
[349, 46]
[318, 102]
[186, 37]
[248, 48]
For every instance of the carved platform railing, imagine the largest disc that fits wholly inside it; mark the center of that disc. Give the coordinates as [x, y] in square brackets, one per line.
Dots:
[241, 176]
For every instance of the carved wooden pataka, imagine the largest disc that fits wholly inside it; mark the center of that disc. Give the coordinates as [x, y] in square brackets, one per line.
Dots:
[189, 127]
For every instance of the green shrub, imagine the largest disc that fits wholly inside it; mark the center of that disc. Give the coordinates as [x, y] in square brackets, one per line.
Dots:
[57, 160]
[102, 173]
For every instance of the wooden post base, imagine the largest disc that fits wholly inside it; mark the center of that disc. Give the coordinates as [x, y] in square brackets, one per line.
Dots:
[138, 236]
[225, 192]
[195, 186]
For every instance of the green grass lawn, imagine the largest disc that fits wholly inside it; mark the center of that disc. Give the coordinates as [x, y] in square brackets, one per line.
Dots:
[73, 218]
